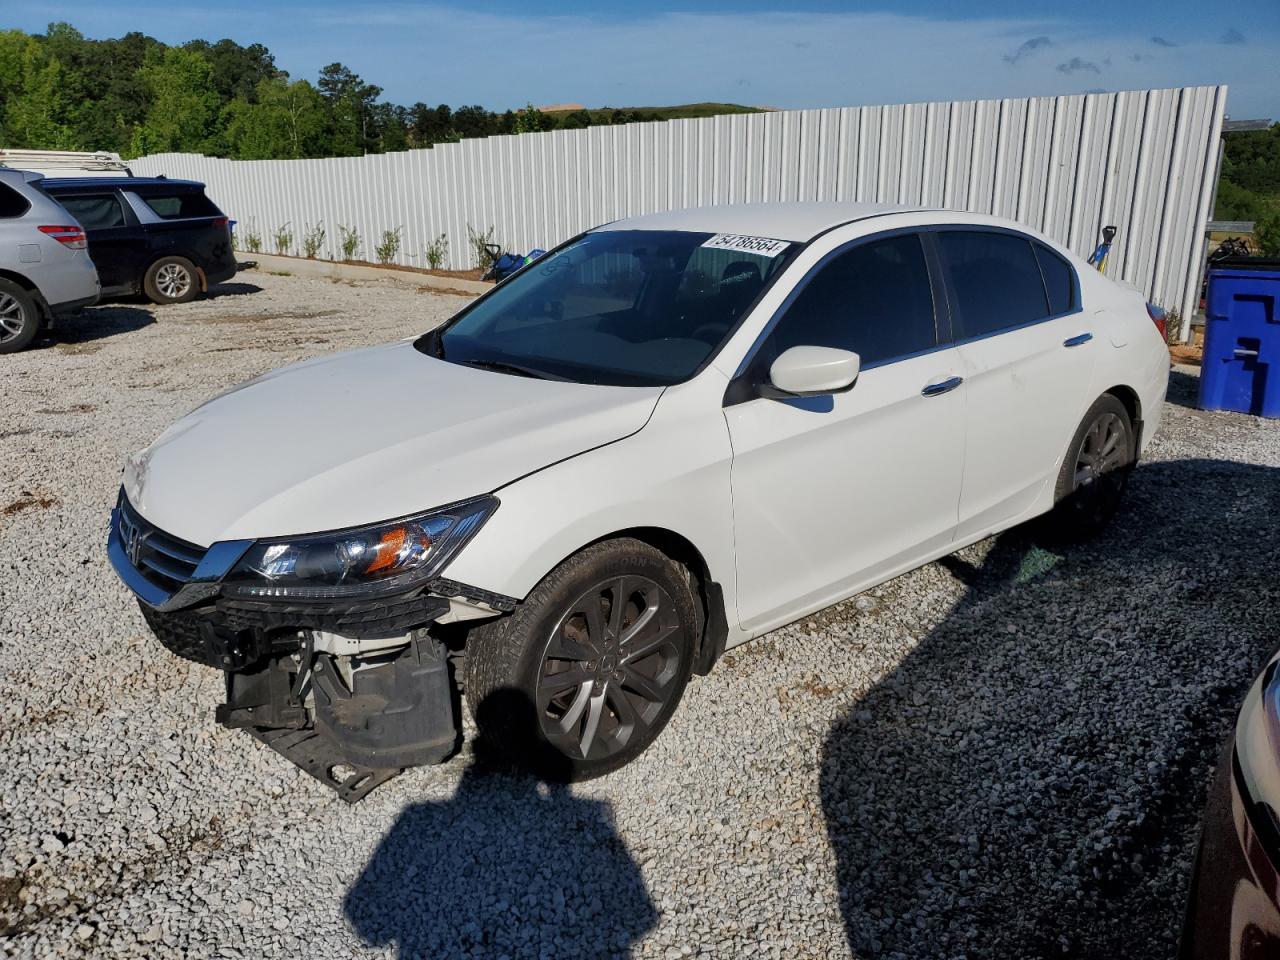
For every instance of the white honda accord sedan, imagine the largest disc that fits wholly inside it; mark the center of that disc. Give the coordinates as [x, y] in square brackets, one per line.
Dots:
[669, 435]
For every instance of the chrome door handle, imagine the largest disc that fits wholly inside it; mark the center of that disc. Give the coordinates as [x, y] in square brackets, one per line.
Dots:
[1078, 339]
[941, 387]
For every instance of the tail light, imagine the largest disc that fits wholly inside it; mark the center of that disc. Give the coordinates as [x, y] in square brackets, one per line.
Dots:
[1160, 319]
[220, 221]
[68, 236]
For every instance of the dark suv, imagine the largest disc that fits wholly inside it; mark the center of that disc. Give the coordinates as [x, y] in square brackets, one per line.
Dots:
[160, 237]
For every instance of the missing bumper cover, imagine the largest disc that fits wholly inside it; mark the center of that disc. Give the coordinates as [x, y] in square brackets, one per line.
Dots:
[365, 725]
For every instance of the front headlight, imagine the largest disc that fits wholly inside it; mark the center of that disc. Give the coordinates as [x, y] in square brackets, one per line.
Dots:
[385, 558]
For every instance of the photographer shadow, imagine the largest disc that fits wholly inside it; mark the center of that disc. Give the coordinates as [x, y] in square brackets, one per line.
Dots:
[509, 865]
[1029, 780]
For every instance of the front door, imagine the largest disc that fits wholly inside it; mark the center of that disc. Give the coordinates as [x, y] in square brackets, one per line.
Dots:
[833, 493]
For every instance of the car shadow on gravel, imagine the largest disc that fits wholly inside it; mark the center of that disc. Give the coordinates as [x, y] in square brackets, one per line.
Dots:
[95, 323]
[508, 866]
[234, 289]
[1028, 782]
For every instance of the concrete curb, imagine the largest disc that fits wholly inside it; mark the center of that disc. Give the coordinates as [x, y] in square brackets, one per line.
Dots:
[330, 270]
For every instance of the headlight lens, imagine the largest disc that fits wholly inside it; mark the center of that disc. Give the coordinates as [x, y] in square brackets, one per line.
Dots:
[366, 560]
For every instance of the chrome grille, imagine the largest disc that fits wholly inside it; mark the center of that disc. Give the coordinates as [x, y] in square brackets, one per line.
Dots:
[164, 560]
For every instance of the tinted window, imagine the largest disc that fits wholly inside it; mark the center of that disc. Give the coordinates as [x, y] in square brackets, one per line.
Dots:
[1059, 280]
[176, 206]
[12, 203]
[995, 281]
[873, 299]
[95, 212]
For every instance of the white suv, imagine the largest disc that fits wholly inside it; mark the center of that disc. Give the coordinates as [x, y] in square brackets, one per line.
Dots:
[670, 435]
[45, 268]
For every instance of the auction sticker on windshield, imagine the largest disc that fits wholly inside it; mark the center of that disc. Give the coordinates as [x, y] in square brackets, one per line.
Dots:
[736, 241]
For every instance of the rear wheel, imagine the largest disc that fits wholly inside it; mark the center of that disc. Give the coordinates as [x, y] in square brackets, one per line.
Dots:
[1094, 471]
[586, 672]
[171, 280]
[19, 318]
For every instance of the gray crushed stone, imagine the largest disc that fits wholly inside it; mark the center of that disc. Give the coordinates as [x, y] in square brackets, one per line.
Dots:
[1001, 754]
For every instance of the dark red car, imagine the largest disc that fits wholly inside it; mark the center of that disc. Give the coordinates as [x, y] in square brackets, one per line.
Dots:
[1234, 907]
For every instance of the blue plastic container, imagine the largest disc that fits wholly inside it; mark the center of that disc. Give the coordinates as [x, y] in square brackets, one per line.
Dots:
[1241, 368]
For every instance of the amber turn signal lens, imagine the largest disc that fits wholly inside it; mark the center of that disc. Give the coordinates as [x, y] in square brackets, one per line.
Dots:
[387, 552]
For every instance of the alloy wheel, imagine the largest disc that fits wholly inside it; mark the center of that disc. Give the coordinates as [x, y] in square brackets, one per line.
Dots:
[12, 317]
[611, 666]
[1101, 466]
[173, 280]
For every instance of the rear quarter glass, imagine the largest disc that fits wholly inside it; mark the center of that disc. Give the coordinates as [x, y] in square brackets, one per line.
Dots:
[180, 205]
[12, 203]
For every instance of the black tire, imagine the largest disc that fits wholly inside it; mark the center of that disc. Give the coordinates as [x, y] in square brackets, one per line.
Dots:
[171, 280]
[20, 317]
[1094, 472]
[535, 679]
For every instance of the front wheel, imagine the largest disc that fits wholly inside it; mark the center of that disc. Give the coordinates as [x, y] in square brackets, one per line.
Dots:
[171, 280]
[587, 670]
[1094, 472]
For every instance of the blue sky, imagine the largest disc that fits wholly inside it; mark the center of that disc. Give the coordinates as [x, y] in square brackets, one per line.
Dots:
[811, 54]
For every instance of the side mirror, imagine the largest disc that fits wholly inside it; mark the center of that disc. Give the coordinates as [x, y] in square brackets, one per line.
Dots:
[813, 371]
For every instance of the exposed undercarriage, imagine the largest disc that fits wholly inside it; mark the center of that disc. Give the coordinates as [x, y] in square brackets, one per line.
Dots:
[353, 694]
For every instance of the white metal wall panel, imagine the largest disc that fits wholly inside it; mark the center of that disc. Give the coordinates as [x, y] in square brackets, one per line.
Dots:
[1142, 160]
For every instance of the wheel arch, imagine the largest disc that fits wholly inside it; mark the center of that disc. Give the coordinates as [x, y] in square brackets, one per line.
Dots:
[27, 284]
[713, 625]
[1133, 406]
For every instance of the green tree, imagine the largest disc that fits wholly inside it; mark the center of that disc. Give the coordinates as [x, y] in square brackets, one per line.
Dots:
[183, 108]
[1267, 235]
[577, 120]
[285, 121]
[39, 115]
[238, 71]
[474, 121]
[350, 102]
[531, 120]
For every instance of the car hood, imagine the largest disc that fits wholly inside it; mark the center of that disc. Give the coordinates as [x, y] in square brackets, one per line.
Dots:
[364, 436]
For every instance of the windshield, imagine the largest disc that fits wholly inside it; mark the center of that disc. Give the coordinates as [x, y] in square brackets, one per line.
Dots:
[617, 307]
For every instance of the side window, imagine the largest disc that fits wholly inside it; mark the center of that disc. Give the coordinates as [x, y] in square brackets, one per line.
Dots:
[177, 206]
[95, 211]
[12, 203]
[1059, 280]
[995, 281]
[874, 299]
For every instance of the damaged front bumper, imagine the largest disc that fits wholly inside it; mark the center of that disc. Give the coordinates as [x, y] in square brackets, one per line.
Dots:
[353, 691]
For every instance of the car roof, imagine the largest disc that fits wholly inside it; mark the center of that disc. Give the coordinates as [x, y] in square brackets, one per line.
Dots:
[128, 183]
[17, 175]
[795, 221]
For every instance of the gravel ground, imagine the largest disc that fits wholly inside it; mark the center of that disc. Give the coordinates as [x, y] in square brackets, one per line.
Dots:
[999, 755]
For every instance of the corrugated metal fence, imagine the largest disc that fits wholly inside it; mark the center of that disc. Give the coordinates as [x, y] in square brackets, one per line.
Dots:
[1142, 160]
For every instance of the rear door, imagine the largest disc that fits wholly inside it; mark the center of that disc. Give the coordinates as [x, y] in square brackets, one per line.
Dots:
[831, 493]
[1028, 355]
[116, 244]
[185, 222]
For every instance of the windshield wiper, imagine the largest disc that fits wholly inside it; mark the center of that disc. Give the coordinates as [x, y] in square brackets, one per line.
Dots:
[501, 366]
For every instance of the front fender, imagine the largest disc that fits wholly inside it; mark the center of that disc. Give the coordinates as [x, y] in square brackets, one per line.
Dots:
[673, 475]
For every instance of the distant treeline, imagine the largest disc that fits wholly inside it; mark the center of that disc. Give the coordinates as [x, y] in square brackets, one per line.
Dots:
[1250, 184]
[135, 95]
